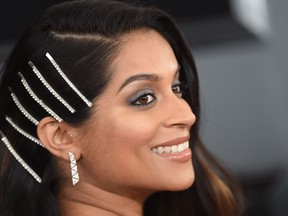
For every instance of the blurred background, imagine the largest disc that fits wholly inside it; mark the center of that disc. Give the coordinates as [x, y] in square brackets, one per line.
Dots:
[241, 51]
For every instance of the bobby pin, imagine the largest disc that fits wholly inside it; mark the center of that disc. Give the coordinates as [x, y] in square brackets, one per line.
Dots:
[50, 89]
[18, 158]
[38, 100]
[23, 110]
[24, 133]
[62, 74]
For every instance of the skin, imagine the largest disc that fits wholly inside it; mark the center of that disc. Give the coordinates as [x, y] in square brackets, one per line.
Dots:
[117, 168]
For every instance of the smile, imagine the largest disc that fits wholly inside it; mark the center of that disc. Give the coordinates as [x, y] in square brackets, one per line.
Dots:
[171, 149]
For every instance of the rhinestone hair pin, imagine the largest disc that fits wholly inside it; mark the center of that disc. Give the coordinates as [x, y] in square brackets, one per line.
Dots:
[24, 133]
[62, 74]
[22, 109]
[18, 158]
[49, 87]
[37, 99]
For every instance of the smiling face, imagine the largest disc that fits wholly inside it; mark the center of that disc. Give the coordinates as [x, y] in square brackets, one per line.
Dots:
[136, 140]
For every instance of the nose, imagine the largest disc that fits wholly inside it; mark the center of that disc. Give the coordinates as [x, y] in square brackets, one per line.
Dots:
[178, 113]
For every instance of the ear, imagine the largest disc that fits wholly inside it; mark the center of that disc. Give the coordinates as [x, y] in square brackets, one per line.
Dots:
[57, 138]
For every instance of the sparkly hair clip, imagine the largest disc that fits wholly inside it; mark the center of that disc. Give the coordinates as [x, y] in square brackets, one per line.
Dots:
[57, 67]
[22, 109]
[37, 99]
[49, 87]
[18, 158]
[24, 133]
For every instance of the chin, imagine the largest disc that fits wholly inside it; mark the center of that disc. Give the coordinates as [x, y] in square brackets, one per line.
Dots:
[184, 179]
[183, 182]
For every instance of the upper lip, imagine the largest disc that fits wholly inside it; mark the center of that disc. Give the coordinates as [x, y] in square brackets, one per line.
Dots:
[172, 142]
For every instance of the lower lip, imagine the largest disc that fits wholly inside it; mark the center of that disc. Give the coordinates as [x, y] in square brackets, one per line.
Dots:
[180, 157]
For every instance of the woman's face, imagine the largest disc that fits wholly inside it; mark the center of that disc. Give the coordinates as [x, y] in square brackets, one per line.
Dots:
[136, 140]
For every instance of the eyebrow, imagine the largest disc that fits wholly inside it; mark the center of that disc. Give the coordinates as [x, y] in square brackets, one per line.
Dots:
[148, 77]
[140, 77]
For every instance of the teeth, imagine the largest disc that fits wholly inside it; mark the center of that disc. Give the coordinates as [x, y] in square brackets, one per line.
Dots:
[160, 150]
[171, 149]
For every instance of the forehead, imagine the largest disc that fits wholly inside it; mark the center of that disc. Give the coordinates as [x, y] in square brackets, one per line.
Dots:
[144, 51]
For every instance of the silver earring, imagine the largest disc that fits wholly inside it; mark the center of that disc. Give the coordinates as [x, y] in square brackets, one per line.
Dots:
[74, 169]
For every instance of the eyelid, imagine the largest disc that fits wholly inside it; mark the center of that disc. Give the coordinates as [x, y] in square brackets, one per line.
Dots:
[176, 82]
[181, 89]
[140, 94]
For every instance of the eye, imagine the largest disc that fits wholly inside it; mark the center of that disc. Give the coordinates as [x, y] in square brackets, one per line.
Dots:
[178, 89]
[143, 99]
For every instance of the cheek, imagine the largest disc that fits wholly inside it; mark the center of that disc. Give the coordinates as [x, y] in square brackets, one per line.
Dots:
[121, 140]
[138, 129]
[120, 133]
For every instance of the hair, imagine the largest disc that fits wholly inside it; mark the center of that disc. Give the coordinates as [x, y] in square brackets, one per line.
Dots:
[84, 37]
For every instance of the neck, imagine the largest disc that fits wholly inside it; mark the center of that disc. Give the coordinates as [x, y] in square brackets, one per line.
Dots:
[88, 200]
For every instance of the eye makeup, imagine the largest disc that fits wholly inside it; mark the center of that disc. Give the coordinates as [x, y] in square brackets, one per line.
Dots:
[143, 98]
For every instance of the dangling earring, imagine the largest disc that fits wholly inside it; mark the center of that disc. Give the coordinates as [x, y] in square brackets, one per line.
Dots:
[74, 169]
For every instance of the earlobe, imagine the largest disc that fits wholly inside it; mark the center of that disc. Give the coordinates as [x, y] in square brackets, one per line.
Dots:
[56, 138]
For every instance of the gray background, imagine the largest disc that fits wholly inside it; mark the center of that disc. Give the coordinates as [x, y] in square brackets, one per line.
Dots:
[244, 97]
[244, 94]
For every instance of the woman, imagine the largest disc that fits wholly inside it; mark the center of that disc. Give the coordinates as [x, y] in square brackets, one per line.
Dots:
[105, 95]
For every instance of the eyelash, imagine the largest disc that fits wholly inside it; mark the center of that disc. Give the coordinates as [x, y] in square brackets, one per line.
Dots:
[178, 90]
[134, 101]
